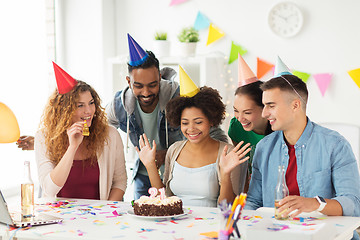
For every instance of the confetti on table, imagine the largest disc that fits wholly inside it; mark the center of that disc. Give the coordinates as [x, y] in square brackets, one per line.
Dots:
[172, 221]
[190, 225]
[124, 227]
[98, 222]
[116, 213]
[213, 234]
[278, 227]
[80, 233]
[161, 223]
[145, 230]
[199, 218]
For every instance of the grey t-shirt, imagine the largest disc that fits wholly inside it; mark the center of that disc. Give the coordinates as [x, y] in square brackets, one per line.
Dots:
[149, 123]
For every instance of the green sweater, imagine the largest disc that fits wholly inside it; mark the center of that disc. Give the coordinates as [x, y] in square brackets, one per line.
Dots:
[237, 134]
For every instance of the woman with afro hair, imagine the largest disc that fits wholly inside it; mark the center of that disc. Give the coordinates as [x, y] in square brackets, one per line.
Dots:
[199, 169]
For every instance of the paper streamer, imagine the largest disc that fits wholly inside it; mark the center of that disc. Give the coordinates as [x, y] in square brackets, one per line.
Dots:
[323, 80]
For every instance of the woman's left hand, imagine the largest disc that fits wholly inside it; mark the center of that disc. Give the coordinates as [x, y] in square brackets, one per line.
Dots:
[234, 158]
[146, 153]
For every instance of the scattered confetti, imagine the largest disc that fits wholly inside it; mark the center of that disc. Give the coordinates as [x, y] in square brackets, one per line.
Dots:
[145, 230]
[98, 222]
[213, 234]
[190, 225]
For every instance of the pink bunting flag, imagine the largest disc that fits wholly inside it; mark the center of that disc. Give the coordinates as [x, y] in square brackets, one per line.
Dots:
[176, 2]
[323, 81]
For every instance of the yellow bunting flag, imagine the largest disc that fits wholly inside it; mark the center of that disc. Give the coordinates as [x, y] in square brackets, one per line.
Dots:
[355, 75]
[235, 50]
[302, 75]
[263, 67]
[215, 34]
[187, 86]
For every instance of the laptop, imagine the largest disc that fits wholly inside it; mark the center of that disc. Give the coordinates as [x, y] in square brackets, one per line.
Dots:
[15, 219]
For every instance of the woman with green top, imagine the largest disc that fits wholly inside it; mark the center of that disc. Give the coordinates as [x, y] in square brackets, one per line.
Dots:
[248, 125]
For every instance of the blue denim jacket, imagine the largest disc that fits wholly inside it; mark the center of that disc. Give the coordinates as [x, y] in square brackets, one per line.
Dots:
[326, 166]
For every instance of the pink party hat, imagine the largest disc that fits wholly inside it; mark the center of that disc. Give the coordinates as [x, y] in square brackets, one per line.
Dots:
[65, 82]
[281, 68]
[137, 54]
[245, 75]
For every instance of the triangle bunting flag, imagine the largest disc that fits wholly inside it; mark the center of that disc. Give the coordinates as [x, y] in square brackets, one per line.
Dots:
[302, 75]
[201, 21]
[176, 2]
[215, 34]
[263, 68]
[323, 81]
[235, 50]
[355, 75]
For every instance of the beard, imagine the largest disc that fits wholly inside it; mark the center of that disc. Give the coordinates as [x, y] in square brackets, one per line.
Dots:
[149, 101]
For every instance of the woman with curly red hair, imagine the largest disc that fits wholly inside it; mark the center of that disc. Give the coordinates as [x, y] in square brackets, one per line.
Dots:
[71, 165]
[198, 169]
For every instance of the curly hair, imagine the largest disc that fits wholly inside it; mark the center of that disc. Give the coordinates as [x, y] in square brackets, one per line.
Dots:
[56, 119]
[208, 100]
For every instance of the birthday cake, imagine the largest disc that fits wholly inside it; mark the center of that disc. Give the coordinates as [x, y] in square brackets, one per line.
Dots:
[155, 206]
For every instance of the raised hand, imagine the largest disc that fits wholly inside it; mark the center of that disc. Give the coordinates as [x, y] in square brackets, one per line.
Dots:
[234, 158]
[75, 134]
[146, 153]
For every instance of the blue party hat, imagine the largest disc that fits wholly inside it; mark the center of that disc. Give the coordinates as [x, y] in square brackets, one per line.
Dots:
[281, 68]
[137, 54]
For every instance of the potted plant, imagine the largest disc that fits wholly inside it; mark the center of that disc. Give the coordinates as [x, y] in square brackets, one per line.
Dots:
[188, 38]
[161, 45]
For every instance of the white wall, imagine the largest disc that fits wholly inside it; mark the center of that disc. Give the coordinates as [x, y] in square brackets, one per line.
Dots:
[85, 39]
[328, 42]
[24, 80]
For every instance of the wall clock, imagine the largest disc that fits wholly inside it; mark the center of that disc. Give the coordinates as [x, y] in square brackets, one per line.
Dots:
[285, 19]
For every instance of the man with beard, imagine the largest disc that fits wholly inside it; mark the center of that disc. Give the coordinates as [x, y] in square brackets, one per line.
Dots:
[140, 108]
